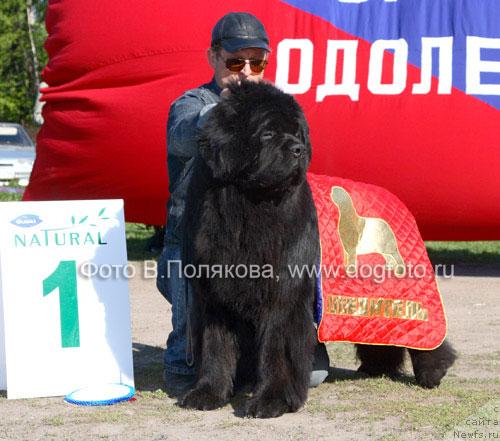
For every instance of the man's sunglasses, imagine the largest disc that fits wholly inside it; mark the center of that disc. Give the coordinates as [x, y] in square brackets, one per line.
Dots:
[236, 64]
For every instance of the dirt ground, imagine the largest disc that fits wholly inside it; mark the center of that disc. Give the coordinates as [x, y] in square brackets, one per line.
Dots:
[346, 407]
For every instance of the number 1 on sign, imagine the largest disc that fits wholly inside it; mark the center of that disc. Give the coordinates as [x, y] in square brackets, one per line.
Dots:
[64, 278]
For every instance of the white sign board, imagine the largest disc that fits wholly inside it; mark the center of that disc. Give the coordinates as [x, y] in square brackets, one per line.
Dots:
[61, 326]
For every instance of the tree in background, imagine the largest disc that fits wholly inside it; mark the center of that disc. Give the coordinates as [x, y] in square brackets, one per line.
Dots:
[22, 57]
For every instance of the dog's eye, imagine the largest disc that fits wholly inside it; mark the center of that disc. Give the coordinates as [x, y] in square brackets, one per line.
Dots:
[267, 135]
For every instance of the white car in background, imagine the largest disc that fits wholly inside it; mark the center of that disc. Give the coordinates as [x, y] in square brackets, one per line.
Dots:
[17, 153]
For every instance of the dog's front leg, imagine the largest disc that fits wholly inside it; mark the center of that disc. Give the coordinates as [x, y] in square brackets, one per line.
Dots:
[284, 366]
[217, 370]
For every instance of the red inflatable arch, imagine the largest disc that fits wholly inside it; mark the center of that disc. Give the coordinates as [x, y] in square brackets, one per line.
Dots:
[361, 71]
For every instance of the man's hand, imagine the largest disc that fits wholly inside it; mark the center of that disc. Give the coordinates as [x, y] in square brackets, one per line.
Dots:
[225, 93]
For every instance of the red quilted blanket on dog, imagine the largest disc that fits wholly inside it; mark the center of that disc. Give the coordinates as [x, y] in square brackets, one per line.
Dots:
[377, 283]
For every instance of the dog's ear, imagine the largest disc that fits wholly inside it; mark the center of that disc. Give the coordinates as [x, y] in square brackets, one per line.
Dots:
[218, 154]
[218, 141]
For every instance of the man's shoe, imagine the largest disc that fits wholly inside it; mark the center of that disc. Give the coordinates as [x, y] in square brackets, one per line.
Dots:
[321, 364]
[176, 385]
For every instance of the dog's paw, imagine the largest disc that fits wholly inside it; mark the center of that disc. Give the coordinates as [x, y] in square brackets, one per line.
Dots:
[260, 407]
[430, 379]
[202, 398]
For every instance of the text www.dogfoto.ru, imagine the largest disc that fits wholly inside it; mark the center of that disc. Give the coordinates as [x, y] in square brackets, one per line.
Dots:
[378, 273]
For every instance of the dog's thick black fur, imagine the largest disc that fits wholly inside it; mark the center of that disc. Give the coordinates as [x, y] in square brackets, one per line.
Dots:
[429, 367]
[250, 205]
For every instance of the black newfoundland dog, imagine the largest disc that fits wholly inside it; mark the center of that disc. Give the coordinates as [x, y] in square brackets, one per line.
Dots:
[252, 215]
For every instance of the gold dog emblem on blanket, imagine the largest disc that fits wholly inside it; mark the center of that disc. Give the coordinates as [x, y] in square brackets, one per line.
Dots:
[364, 235]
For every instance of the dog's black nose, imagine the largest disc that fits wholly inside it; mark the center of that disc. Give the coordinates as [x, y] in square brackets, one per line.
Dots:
[297, 150]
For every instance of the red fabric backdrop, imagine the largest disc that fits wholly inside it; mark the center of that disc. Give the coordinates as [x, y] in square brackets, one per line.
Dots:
[115, 67]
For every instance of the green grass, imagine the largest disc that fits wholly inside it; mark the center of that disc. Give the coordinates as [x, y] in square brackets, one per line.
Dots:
[439, 252]
[464, 252]
[137, 238]
[9, 197]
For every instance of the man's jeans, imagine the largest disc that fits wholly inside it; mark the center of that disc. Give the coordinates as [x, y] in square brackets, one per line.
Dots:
[178, 357]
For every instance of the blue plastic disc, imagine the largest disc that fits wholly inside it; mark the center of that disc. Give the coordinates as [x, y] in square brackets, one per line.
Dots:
[101, 395]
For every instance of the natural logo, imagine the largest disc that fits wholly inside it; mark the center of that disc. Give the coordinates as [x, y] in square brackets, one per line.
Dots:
[78, 233]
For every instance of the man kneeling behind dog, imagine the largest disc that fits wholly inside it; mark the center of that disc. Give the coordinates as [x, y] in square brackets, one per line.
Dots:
[239, 51]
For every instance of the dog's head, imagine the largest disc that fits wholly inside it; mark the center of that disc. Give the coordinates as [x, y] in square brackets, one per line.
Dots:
[257, 138]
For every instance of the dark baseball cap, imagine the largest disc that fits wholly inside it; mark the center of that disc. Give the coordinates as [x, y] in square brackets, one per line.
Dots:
[239, 30]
